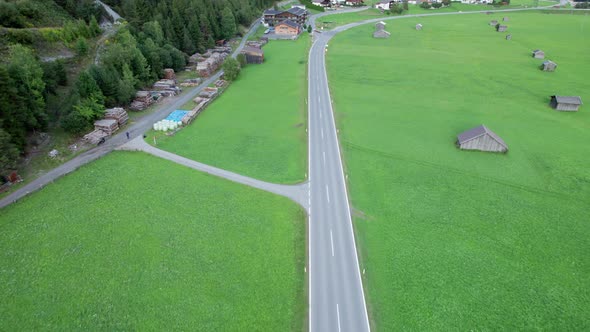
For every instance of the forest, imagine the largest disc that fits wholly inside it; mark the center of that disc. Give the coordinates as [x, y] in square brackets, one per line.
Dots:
[156, 34]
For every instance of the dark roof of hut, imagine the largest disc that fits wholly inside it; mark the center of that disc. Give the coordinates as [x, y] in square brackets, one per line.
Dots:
[477, 132]
[289, 23]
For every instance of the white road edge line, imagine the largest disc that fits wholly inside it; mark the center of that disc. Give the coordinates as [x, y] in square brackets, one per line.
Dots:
[332, 242]
[309, 172]
[324, 154]
[322, 132]
[338, 316]
[328, 193]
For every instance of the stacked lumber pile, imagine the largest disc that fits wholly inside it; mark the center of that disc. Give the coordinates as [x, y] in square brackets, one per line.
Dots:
[166, 87]
[117, 114]
[169, 74]
[208, 92]
[142, 100]
[255, 44]
[109, 126]
[220, 83]
[191, 82]
[192, 114]
[213, 61]
[95, 136]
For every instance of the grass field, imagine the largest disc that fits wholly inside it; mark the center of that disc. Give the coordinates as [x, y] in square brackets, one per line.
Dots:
[457, 240]
[371, 13]
[257, 126]
[133, 242]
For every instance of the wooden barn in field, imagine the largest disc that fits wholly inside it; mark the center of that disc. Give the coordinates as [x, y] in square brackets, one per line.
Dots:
[481, 139]
[548, 65]
[501, 28]
[565, 103]
[381, 34]
[253, 54]
[494, 22]
[418, 26]
[538, 54]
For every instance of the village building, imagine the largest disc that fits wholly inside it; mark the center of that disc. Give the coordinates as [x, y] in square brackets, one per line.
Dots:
[287, 27]
[295, 14]
[538, 54]
[482, 139]
[548, 65]
[381, 34]
[565, 103]
[501, 28]
[385, 4]
[354, 2]
[253, 54]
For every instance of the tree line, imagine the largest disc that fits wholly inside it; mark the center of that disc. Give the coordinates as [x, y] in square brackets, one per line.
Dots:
[159, 34]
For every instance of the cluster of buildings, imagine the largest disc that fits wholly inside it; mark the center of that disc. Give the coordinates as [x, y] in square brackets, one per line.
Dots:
[337, 3]
[286, 22]
[207, 63]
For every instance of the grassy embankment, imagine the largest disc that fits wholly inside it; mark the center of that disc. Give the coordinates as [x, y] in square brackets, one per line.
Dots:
[134, 242]
[257, 126]
[457, 240]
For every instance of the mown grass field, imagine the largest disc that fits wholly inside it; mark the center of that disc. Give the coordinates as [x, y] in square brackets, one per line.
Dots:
[133, 242]
[457, 240]
[257, 126]
[331, 21]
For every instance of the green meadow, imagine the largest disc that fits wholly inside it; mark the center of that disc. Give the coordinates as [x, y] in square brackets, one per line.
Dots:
[257, 127]
[458, 240]
[133, 242]
[331, 21]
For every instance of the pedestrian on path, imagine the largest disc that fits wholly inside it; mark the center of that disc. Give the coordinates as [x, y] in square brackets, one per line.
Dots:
[127, 133]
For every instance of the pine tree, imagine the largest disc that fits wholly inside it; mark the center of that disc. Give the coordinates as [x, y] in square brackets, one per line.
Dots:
[228, 23]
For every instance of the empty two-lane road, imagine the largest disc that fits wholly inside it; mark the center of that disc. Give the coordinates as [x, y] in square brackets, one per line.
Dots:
[336, 298]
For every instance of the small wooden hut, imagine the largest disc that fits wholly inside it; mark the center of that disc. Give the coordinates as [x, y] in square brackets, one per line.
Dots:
[493, 22]
[538, 54]
[501, 28]
[505, 19]
[418, 26]
[508, 37]
[253, 54]
[481, 139]
[565, 103]
[381, 34]
[548, 65]
[380, 25]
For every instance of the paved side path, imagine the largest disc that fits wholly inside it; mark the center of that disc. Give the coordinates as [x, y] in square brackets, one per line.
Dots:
[136, 129]
[297, 193]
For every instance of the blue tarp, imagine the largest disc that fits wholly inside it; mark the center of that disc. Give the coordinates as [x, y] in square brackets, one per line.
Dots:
[176, 116]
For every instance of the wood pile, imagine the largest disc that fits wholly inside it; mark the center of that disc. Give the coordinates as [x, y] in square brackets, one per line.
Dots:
[221, 83]
[191, 115]
[118, 114]
[109, 126]
[208, 92]
[191, 82]
[164, 84]
[95, 136]
[210, 65]
[142, 100]
[169, 74]
[255, 44]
